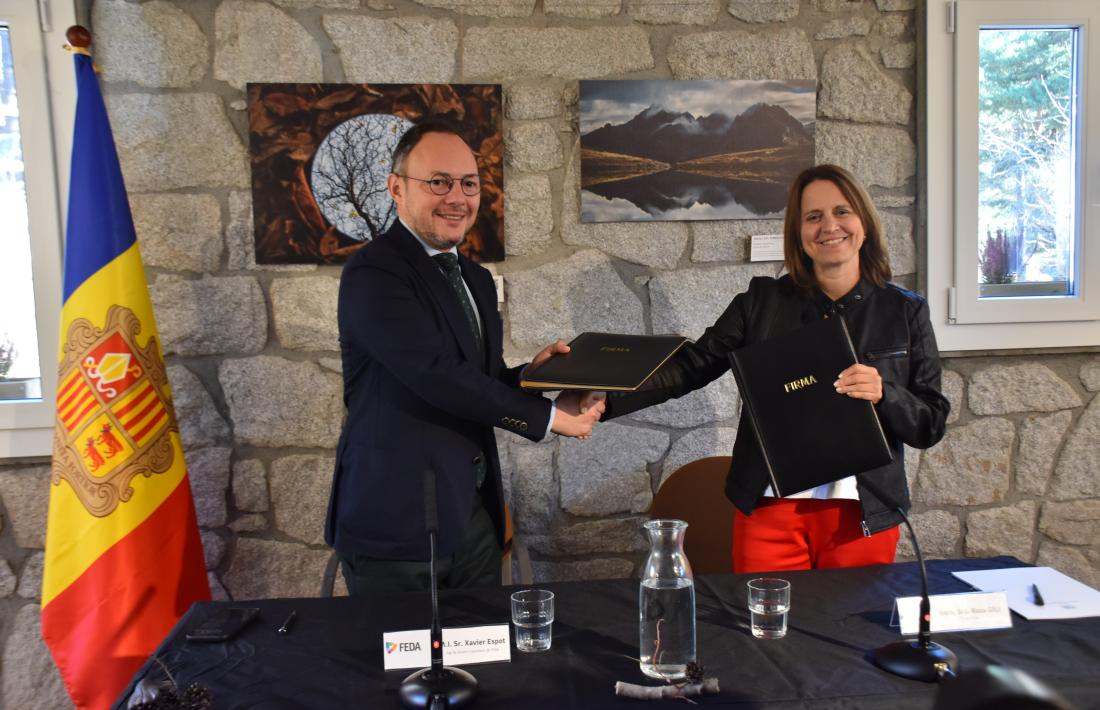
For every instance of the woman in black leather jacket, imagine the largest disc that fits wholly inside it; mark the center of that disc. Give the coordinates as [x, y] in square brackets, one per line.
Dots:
[835, 255]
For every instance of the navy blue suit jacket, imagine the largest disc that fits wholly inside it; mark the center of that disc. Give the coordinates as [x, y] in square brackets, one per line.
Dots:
[417, 398]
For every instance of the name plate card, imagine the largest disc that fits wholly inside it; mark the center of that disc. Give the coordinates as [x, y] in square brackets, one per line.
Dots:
[461, 646]
[968, 611]
[766, 247]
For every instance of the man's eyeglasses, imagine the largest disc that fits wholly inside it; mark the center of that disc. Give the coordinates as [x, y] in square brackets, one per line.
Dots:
[441, 183]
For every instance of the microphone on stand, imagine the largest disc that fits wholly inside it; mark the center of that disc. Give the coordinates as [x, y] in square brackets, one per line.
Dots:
[923, 659]
[437, 686]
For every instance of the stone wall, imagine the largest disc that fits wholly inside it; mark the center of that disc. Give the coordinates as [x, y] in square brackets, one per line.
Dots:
[252, 351]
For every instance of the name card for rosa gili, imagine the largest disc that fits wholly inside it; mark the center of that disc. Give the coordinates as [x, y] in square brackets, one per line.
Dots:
[968, 611]
[462, 646]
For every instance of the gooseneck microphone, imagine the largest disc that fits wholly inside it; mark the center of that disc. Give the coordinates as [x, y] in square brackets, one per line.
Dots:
[438, 686]
[923, 659]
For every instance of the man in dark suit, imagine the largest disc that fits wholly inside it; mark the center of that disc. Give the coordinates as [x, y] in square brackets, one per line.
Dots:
[425, 383]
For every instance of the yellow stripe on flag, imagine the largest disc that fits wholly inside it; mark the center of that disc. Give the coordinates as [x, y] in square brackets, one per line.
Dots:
[75, 402]
[121, 282]
[125, 405]
[74, 537]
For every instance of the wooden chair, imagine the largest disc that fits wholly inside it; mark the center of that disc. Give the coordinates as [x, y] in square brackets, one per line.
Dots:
[695, 493]
[328, 579]
[514, 548]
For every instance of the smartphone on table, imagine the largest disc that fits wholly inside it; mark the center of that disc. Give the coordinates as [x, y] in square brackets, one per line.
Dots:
[223, 623]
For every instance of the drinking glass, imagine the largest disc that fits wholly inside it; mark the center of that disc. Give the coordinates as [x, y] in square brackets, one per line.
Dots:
[769, 602]
[532, 614]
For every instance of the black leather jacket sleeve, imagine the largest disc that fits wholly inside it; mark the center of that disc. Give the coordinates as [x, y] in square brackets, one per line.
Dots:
[916, 411]
[696, 365]
[891, 331]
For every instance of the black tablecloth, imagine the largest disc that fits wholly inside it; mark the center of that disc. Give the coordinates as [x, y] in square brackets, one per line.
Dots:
[333, 659]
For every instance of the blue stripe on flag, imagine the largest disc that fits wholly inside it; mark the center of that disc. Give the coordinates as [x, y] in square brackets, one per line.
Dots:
[99, 226]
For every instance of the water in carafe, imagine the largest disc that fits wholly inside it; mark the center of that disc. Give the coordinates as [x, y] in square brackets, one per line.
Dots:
[666, 604]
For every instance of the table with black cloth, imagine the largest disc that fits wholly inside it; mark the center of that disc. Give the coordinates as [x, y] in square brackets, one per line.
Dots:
[332, 658]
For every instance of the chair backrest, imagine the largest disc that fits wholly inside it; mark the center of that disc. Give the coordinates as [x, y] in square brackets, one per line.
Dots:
[332, 568]
[514, 549]
[695, 493]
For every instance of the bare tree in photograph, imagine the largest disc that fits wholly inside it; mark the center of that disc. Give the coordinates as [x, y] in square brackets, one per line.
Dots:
[349, 174]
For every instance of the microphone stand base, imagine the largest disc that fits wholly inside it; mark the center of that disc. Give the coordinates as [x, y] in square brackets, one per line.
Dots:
[446, 688]
[909, 659]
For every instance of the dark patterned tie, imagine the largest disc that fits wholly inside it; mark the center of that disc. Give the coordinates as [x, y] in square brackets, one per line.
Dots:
[449, 264]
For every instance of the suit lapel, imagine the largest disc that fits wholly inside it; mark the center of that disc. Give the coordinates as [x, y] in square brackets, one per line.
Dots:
[437, 285]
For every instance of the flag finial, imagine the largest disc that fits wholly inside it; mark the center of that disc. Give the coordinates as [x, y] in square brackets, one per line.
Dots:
[79, 40]
[79, 36]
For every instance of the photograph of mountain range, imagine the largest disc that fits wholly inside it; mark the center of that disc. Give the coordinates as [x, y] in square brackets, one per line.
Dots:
[692, 150]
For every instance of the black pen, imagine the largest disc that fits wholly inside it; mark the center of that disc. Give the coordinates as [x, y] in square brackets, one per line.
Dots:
[1037, 596]
[285, 628]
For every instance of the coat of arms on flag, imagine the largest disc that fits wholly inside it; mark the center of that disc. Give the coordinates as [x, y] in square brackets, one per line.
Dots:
[112, 411]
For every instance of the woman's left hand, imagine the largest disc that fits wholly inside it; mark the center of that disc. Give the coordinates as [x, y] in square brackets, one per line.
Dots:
[860, 382]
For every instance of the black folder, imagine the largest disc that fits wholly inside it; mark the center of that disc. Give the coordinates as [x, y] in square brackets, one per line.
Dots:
[604, 361]
[809, 434]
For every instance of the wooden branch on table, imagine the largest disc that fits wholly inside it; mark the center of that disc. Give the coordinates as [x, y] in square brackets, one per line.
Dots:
[708, 686]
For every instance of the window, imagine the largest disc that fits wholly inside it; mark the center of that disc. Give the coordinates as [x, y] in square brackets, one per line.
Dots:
[1012, 193]
[20, 371]
[36, 98]
[1027, 161]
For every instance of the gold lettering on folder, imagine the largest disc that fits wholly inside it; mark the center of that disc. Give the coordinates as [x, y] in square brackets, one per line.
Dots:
[799, 383]
[613, 349]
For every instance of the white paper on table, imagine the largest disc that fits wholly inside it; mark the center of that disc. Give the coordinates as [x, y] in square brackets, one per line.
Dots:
[1064, 597]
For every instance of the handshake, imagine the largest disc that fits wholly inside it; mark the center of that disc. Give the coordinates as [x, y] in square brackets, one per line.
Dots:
[577, 411]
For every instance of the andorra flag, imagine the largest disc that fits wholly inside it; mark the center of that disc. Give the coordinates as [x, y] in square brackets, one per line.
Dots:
[123, 555]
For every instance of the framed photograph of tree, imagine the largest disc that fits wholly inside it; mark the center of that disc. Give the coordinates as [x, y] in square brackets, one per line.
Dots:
[320, 154]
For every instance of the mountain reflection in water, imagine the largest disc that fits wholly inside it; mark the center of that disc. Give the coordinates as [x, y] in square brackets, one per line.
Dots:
[674, 195]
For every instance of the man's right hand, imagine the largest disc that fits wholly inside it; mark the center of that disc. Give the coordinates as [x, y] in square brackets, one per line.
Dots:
[590, 398]
[572, 419]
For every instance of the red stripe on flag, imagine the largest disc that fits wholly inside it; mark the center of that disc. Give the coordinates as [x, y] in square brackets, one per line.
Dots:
[136, 418]
[140, 397]
[74, 401]
[72, 382]
[140, 434]
[103, 626]
[86, 405]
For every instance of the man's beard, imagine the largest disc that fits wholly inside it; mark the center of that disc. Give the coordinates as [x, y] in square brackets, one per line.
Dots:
[437, 242]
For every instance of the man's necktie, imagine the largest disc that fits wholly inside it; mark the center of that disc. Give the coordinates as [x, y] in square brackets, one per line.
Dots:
[449, 264]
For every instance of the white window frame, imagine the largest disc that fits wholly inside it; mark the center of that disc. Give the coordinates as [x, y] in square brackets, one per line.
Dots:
[962, 320]
[47, 100]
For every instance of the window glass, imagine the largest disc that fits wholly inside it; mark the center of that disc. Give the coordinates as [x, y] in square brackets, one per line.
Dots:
[20, 376]
[1026, 162]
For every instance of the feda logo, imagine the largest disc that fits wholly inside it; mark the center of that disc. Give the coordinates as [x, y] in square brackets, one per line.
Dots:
[404, 646]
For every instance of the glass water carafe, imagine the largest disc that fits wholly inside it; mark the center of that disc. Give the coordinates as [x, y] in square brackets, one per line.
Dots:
[666, 603]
